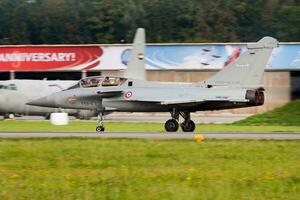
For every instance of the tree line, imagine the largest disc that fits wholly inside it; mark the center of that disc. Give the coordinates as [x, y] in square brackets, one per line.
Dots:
[115, 21]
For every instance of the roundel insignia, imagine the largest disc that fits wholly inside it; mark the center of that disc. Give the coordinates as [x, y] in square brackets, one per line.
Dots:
[128, 94]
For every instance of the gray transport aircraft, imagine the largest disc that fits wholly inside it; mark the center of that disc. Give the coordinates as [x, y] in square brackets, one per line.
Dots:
[14, 94]
[236, 86]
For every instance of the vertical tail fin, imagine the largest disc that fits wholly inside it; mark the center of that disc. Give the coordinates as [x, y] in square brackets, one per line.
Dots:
[136, 64]
[248, 69]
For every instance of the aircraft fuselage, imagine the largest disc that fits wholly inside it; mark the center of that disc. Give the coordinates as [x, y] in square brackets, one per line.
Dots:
[147, 96]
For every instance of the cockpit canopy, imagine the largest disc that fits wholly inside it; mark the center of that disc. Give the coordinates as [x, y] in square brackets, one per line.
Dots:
[98, 81]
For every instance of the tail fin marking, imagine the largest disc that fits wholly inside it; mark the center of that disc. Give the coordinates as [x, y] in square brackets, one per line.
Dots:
[136, 64]
[248, 69]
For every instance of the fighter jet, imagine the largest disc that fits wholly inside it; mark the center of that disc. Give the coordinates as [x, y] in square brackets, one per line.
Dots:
[236, 86]
[14, 94]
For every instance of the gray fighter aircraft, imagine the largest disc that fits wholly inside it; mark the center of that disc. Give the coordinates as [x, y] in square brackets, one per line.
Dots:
[14, 94]
[236, 86]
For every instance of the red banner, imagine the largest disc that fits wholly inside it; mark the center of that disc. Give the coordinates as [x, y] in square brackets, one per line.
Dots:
[41, 58]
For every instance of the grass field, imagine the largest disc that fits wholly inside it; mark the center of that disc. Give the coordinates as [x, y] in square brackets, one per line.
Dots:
[148, 169]
[83, 126]
[77, 168]
[288, 115]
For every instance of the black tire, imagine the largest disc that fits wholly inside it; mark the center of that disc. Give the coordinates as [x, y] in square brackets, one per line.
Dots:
[171, 125]
[188, 126]
[100, 129]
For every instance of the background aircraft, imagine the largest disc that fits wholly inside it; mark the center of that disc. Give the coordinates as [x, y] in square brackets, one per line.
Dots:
[14, 94]
[235, 86]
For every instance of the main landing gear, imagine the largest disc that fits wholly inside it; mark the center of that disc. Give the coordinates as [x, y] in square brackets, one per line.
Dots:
[187, 125]
[100, 128]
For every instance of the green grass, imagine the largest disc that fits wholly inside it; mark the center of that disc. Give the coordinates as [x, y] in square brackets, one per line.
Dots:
[288, 115]
[83, 126]
[148, 169]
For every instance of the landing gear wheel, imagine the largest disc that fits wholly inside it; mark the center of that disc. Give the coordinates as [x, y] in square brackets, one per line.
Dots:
[171, 125]
[188, 126]
[100, 129]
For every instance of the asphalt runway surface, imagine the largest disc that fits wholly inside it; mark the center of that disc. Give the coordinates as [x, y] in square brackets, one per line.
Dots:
[157, 117]
[143, 135]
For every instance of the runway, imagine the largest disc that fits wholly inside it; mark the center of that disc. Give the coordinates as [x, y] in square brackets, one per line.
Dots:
[225, 118]
[161, 136]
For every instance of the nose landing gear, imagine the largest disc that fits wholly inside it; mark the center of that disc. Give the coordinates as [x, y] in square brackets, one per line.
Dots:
[100, 128]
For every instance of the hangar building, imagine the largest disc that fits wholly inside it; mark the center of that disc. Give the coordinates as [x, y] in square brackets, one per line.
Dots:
[164, 62]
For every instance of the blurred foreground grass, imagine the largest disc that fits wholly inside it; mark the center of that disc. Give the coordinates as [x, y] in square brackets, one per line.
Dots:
[87, 126]
[148, 169]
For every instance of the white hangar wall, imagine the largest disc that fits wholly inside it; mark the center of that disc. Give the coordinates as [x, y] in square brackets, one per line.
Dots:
[164, 62]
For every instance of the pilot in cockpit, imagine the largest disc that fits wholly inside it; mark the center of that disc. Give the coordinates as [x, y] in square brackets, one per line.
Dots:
[106, 82]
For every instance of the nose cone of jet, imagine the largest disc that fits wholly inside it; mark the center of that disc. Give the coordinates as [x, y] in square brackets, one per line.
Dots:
[44, 102]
